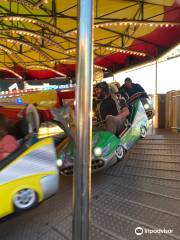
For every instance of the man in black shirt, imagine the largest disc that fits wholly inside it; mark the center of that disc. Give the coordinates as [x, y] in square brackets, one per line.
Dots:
[129, 89]
[110, 109]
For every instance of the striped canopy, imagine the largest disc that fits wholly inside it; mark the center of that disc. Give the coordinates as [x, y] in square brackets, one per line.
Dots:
[38, 37]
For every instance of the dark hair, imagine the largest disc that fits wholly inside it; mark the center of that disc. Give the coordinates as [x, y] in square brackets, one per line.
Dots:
[128, 80]
[104, 86]
[3, 125]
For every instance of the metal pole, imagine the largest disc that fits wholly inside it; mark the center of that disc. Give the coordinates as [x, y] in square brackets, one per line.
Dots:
[82, 165]
[155, 93]
[156, 77]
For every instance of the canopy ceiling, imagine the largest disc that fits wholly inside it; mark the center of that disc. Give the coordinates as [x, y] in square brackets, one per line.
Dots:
[39, 35]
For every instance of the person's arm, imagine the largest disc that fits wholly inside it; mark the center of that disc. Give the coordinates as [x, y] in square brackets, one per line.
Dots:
[20, 113]
[124, 113]
[141, 90]
[5, 155]
[125, 110]
[8, 145]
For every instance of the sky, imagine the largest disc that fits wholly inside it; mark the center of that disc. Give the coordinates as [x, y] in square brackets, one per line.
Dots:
[168, 76]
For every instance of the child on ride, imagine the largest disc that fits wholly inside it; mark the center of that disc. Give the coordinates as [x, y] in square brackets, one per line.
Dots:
[8, 143]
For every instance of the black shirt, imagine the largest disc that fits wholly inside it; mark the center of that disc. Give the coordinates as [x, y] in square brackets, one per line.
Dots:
[136, 88]
[109, 107]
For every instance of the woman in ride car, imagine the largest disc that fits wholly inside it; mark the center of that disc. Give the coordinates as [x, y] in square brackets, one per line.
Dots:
[8, 143]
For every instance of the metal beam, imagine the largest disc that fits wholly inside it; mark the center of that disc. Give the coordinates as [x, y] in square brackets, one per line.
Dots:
[65, 10]
[54, 12]
[126, 31]
[82, 167]
[151, 3]
[129, 36]
[118, 10]
[141, 2]
[156, 77]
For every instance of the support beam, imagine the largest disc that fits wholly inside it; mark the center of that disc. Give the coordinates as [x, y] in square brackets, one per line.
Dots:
[152, 3]
[82, 166]
[130, 36]
[141, 2]
[54, 12]
[156, 76]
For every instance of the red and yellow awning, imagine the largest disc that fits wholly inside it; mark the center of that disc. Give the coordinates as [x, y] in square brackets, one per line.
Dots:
[37, 36]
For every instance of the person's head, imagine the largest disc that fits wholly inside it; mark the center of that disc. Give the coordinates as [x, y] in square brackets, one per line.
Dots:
[128, 83]
[3, 125]
[102, 90]
[118, 85]
[113, 88]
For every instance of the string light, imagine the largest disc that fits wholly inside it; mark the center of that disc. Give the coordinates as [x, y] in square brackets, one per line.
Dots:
[43, 54]
[33, 21]
[39, 3]
[34, 35]
[136, 23]
[113, 49]
[46, 68]
[7, 50]
[72, 50]
[131, 23]
[11, 71]
[99, 67]
[29, 4]
[70, 61]
[131, 52]
[73, 61]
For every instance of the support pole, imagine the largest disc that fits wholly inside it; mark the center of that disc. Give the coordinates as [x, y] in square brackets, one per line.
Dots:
[155, 118]
[82, 165]
[156, 77]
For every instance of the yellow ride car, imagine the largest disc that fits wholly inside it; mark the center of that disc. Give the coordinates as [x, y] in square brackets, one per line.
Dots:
[28, 176]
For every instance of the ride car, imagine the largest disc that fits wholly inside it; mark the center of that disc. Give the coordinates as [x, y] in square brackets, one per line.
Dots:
[28, 176]
[107, 148]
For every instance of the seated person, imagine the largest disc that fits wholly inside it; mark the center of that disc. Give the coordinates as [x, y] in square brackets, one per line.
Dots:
[129, 89]
[8, 143]
[110, 109]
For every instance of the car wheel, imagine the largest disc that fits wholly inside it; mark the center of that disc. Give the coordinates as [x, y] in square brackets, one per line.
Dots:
[25, 199]
[143, 132]
[120, 153]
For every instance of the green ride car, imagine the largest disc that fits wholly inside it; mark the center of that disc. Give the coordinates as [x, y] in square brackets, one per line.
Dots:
[107, 149]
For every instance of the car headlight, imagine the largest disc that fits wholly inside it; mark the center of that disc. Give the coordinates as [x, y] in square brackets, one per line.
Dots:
[59, 162]
[146, 106]
[97, 151]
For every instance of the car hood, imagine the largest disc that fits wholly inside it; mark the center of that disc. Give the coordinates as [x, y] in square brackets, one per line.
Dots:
[101, 139]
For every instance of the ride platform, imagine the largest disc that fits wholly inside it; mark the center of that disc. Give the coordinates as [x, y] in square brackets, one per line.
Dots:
[141, 191]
